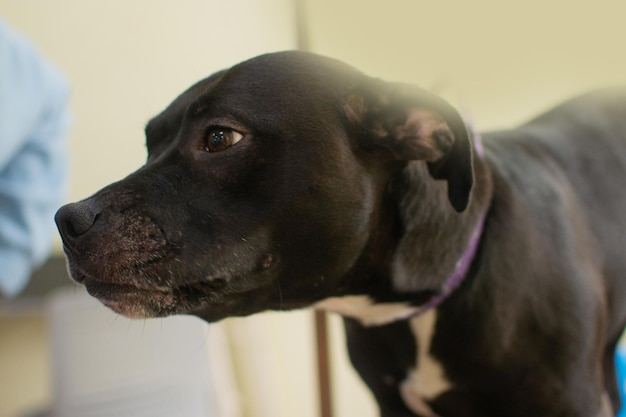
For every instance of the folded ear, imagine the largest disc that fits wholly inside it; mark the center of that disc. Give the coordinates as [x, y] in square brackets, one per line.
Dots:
[409, 123]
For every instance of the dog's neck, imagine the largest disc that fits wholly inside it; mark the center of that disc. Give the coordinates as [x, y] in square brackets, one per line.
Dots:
[460, 272]
[462, 267]
[435, 237]
[417, 260]
[380, 308]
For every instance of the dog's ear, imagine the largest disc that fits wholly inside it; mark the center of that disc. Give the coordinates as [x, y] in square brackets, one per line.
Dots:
[409, 123]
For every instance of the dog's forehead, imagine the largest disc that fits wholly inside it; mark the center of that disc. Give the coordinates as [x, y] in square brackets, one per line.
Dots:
[283, 79]
[170, 119]
[264, 88]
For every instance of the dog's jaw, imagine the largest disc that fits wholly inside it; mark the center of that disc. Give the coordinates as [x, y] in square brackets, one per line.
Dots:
[212, 298]
[133, 302]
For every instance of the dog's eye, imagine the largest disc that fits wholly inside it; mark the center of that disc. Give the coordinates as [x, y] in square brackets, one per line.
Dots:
[220, 139]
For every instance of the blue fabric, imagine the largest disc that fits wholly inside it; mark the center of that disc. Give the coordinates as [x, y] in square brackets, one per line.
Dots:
[34, 122]
[620, 362]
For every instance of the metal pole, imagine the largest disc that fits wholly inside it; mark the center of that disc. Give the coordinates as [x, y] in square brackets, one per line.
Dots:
[323, 364]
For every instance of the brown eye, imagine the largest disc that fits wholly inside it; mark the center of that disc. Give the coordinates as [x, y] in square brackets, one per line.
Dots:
[220, 139]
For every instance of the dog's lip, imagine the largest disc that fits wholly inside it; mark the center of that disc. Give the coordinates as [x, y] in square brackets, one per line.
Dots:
[98, 286]
[133, 301]
[68, 251]
[116, 290]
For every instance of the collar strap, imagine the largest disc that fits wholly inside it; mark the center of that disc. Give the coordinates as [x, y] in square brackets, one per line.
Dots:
[454, 280]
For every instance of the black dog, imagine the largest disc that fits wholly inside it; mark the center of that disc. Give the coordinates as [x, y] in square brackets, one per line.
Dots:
[474, 282]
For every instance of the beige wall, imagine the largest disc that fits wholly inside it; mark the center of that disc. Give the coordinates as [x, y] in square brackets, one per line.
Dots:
[505, 60]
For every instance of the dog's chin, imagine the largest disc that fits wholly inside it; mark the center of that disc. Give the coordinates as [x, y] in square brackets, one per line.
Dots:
[140, 302]
[134, 302]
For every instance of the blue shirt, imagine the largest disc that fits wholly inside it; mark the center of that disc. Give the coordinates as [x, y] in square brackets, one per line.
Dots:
[34, 122]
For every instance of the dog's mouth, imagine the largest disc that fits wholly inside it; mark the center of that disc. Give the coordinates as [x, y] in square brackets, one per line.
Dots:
[160, 287]
[135, 301]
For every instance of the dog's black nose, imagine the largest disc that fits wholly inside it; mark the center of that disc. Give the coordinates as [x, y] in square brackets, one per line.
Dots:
[74, 220]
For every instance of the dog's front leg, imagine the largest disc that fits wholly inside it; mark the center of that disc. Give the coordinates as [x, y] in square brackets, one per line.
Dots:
[383, 357]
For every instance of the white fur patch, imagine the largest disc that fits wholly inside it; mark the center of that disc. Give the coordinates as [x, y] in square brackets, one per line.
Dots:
[607, 407]
[413, 401]
[365, 310]
[428, 380]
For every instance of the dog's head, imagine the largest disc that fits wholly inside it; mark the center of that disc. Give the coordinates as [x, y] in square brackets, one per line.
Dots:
[264, 188]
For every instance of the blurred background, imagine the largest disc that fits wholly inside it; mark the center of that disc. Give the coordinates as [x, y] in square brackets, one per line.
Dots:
[501, 62]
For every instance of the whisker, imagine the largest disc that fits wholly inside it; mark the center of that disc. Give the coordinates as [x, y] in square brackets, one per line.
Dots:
[113, 321]
[280, 294]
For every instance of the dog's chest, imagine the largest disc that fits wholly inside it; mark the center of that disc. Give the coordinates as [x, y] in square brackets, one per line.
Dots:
[426, 380]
